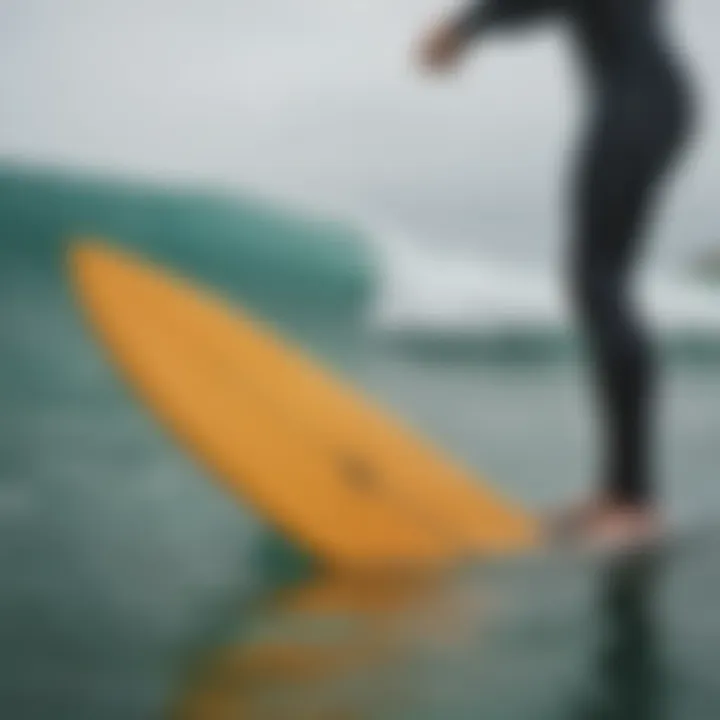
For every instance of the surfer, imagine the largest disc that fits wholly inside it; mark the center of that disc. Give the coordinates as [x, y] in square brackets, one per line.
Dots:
[639, 119]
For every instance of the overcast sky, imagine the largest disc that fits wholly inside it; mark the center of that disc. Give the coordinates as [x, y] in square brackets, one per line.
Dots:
[319, 99]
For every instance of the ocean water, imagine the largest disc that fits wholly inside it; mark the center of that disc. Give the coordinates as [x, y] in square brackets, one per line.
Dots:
[132, 587]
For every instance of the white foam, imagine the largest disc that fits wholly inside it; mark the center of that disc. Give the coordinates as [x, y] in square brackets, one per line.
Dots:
[434, 291]
[427, 290]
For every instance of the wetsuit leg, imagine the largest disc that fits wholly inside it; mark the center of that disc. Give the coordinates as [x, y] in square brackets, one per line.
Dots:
[640, 121]
[641, 116]
[613, 200]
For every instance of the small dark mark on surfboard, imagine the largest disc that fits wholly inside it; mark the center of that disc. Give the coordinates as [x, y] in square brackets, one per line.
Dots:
[359, 472]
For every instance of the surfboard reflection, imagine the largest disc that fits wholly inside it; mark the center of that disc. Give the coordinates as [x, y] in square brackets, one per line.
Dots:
[327, 649]
[484, 645]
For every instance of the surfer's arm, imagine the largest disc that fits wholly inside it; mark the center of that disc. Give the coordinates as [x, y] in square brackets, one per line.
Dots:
[481, 15]
[446, 43]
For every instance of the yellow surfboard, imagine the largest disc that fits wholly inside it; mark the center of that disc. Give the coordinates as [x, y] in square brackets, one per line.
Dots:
[319, 461]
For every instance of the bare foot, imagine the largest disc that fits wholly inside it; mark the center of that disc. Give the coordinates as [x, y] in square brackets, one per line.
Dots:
[607, 524]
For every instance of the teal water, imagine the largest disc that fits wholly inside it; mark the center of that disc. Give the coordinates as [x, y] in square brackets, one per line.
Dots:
[133, 588]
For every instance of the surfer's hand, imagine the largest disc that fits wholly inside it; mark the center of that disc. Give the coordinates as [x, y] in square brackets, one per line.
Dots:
[442, 48]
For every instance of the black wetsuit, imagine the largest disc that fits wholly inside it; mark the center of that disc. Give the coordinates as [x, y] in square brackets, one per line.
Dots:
[639, 117]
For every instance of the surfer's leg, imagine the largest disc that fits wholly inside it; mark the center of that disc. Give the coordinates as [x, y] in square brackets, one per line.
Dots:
[634, 136]
[610, 207]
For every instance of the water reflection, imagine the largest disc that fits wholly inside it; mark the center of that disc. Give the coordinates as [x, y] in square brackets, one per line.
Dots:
[628, 671]
[329, 649]
[510, 644]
